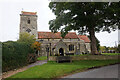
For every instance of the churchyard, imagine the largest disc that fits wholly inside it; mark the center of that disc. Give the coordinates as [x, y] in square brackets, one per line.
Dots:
[66, 52]
[52, 69]
[19, 56]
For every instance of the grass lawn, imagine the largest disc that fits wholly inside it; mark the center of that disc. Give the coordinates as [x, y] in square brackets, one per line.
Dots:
[111, 53]
[42, 58]
[53, 69]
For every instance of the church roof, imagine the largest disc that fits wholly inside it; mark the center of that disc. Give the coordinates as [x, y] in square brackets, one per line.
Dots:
[28, 13]
[85, 38]
[70, 35]
[51, 35]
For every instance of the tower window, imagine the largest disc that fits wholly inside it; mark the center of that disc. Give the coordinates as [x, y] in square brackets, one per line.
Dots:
[28, 21]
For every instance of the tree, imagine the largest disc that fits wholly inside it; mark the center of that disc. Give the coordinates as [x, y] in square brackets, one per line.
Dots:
[102, 48]
[36, 47]
[106, 49]
[98, 44]
[85, 17]
[118, 49]
[26, 37]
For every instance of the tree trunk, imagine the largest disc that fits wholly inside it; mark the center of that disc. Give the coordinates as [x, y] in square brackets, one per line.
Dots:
[93, 42]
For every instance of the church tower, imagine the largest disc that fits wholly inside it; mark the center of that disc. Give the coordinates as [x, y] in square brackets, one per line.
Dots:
[28, 23]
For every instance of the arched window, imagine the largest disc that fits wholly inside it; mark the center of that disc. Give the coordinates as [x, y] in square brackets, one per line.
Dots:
[71, 47]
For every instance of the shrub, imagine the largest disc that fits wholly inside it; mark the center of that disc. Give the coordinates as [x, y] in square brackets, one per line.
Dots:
[14, 54]
[0, 57]
[36, 47]
[26, 37]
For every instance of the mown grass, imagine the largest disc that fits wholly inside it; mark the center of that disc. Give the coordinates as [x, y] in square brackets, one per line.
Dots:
[53, 69]
[42, 58]
[111, 53]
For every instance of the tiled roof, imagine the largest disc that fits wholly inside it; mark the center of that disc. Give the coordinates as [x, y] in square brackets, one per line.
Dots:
[51, 35]
[29, 13]
[85, 38]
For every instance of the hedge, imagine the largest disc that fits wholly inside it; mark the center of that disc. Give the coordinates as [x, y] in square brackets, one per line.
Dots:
[14, 54]
[0, 57]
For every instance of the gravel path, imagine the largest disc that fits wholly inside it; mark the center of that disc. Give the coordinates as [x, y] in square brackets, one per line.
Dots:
[10, 73]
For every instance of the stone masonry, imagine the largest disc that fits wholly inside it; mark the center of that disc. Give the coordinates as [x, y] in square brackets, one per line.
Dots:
[53, 43]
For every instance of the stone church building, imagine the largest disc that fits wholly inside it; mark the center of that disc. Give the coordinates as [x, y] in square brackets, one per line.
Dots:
[53, 43]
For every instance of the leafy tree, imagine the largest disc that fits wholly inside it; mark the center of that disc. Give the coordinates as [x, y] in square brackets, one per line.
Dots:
[26, 37]
[98, 44]
[106, 48]
[36, 47]
[113, 48]
[102, 48]
[88, 17]
[118, 49]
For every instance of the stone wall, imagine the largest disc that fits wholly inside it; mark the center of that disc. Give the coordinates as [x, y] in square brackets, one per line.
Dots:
[89, 57]
[94, 57]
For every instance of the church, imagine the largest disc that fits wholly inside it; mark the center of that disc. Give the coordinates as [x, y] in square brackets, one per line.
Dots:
[53, 43]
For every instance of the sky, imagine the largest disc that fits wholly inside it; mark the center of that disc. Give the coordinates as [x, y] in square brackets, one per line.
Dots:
[10, 11]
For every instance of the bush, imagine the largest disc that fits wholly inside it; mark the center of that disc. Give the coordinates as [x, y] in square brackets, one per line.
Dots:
[26, 37]
[14, 54]
[0, 57]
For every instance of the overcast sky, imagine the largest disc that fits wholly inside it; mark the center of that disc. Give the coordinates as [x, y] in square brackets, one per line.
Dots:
[10, 20]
